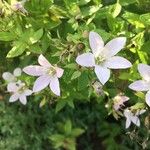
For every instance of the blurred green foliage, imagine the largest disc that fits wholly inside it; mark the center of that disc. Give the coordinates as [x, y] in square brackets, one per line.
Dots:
[59, 30]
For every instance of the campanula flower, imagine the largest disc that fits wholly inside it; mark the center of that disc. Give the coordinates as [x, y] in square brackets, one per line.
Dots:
[132, 117]
[144, 84]
[19, 92]
[48, 75]
[103, 56]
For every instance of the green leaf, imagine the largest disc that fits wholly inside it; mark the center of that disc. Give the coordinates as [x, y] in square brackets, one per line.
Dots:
[117, 10]
[75, 75]
[76, 132]
[7, 36]
[60, 105]
[138, 106]
[83, 81]
[17, 50]
[35, 48]
[68, 127]
[36, 36]
[145, 18]
[71, 66]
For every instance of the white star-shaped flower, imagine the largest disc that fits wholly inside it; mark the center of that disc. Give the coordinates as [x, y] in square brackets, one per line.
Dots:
[103, 57]
[19, 92]
[48, 75]
[144, 84]
[132, 117]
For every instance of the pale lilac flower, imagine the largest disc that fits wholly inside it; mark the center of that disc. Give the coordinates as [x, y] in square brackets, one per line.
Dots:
[119, 101]
[9, 77]
[19, 6]
[103, 57]
[19, 92]
[144, 84]
[132, 117]
[48, 75]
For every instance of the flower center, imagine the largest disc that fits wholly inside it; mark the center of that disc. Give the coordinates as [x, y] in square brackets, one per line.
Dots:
[99, 59]
[52, 71]
[21, 87]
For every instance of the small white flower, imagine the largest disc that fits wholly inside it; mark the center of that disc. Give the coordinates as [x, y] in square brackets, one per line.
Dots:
[132, 117]
[48, 75]
[19, 92]
[9, 77]
[119, 101]
[103, 57]
[144, 84]
[19, 6]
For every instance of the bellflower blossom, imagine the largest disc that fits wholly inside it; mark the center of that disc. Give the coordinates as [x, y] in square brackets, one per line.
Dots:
[119, 101]
[103, 57]
[144, 84]
[48, 75]
[9, 77]
[19, 92]
[19, 6]
[132, 117]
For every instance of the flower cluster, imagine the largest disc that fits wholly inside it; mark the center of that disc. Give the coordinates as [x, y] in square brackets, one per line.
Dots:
[16, 87]
[102, 59]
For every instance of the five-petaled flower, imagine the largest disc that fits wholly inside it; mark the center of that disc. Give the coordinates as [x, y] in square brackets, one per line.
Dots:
[144, 84]
[133, 117]
[48, 75]
[103, 57]
[19, 91]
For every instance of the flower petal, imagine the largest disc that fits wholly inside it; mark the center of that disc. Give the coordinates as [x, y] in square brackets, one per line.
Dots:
[12, 87]
[117, 62]
[86, 60]
[34, 70]
[59, 71]
[14, 97]
[115, 45]
[23, 99]
[128, 123]
[140, 85]
[135, 120]
[41, 83]
[17, 72]
[144, 71]
[27, 92]
[9, 77]
[148, 98]
[54, 86]
[96, 42]
[102, 73]
[43, 61]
